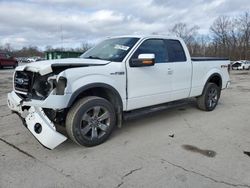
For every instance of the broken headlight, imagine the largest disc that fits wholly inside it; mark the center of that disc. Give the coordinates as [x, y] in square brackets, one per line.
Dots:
[61, 85]
[44, 85]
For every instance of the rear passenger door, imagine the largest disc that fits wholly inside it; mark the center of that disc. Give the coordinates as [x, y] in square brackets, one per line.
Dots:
[181, 67]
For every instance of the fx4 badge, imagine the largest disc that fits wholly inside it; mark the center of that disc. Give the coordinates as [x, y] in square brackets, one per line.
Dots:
[117, 73]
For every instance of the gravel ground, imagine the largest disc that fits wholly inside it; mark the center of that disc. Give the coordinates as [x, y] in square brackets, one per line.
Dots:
[180, 147]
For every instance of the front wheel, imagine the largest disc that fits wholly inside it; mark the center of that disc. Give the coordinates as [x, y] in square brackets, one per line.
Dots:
[210, 97]
[90, 121]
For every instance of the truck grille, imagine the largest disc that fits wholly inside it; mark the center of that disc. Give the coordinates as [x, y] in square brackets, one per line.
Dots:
[23, 81]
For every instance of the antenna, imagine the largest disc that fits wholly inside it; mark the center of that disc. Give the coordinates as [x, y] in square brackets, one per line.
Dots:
[61, 35]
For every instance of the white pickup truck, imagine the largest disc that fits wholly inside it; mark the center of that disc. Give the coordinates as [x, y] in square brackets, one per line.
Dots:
[92, 94]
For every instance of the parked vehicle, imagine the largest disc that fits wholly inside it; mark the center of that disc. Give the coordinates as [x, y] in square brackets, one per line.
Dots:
[31, 59]
[22, 60]
[241, 65]
[40, 59]
[118, 77]
[7, 61]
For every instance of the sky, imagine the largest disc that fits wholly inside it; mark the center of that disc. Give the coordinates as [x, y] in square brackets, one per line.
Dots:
[69, 23]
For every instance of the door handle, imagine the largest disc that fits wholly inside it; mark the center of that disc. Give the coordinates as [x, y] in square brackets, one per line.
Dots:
[170, 71]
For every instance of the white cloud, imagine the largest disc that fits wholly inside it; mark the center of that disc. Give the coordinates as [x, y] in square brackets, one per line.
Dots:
[45, 22]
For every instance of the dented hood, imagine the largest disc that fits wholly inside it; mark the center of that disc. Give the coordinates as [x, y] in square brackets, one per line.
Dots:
[45, 67]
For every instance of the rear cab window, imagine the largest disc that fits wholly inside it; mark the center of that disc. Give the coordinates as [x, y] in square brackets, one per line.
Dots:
[175, 51]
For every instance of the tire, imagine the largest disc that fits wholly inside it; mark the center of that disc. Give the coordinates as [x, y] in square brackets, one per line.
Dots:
[90, 121]
[209, 98]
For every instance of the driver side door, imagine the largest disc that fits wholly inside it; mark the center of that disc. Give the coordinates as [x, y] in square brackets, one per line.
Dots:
[149, 85]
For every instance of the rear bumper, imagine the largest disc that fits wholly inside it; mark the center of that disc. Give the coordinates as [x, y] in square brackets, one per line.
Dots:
[37, 122]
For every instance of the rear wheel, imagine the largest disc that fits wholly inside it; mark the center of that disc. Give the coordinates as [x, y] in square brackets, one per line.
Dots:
[210, 97]
[90, 121]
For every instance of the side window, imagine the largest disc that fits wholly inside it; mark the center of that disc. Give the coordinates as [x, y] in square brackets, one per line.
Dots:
[153, 46]
[176, 52]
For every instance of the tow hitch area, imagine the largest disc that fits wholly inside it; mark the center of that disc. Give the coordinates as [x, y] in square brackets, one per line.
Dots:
[43, 129]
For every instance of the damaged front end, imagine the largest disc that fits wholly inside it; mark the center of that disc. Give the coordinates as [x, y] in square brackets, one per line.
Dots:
[41, 95]
[40, 100]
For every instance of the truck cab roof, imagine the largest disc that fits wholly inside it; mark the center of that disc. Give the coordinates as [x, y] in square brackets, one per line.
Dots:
[148, 36]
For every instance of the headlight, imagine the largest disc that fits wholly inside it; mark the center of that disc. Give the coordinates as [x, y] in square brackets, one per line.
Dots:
[42, 86]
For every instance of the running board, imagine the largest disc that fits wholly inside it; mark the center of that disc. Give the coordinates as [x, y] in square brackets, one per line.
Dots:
[152, 109]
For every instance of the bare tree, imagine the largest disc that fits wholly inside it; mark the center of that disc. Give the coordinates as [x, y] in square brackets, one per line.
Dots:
[29, 51]
[85, 46]
[188, 34]
[244, 27]
[231, 36]
[7, 47]
[220, 30]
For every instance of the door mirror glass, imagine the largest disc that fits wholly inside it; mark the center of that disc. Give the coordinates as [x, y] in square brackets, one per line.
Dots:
[143, 60]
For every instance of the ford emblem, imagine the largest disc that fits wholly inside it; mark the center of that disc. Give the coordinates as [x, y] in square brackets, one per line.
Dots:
[19, 81]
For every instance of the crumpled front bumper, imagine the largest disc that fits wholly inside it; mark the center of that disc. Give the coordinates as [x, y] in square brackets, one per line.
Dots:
[37, 122]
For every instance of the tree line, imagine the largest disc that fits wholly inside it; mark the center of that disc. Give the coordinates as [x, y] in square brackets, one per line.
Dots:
[34, 51]
[228, 37]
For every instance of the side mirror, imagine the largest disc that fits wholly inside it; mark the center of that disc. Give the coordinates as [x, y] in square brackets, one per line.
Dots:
[143, 60]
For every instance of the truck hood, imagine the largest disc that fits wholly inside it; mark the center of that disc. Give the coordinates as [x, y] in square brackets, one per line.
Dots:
[58, 65]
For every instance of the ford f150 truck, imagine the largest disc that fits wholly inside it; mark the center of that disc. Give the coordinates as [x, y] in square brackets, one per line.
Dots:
[91, 95]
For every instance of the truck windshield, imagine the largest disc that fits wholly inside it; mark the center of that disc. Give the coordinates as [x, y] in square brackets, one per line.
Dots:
[114, 49]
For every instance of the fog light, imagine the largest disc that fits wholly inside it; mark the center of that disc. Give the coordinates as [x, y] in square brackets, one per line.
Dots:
[38, 128]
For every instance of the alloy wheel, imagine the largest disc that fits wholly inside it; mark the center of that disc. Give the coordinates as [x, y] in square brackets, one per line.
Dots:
[212, 97]
[95, 123]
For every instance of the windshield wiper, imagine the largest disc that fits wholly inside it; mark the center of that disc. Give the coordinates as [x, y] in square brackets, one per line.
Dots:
[93, 57]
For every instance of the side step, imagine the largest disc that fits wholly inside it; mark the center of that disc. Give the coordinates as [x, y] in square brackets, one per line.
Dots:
[152, 109]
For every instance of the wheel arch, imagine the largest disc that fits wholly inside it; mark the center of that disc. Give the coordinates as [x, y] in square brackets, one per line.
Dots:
[215, 78]
[101, 90]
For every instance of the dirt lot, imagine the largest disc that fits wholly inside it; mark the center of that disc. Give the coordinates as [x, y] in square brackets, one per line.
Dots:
[167, 149]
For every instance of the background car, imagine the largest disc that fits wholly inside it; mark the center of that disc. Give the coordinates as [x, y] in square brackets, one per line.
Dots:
[7, 60]
[241, 65]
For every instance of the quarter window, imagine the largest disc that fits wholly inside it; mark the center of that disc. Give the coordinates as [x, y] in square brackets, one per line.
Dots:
[175, 51]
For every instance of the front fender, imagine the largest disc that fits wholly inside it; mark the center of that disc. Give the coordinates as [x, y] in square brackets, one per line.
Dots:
[95, 80]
